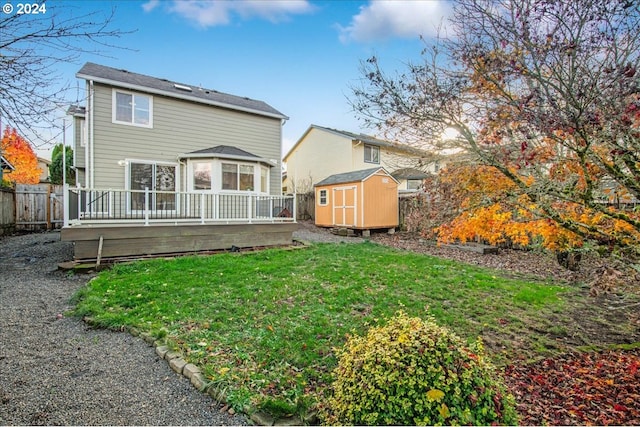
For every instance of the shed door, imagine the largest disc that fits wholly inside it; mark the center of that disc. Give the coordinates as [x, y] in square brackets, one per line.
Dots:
[344, 206]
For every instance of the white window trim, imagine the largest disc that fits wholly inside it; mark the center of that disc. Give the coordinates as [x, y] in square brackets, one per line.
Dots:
[83, 133]
[326, 198]
[191, 171]
[216, 176]
[134, 95]
[127, 179]
[372, 148]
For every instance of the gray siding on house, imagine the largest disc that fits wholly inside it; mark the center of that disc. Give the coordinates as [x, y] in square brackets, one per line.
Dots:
[179, 127]
[78, 150]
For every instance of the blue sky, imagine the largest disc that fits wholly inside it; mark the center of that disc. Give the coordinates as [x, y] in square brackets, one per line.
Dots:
[298, 56]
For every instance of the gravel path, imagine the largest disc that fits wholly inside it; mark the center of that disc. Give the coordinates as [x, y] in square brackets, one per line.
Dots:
[55, 370]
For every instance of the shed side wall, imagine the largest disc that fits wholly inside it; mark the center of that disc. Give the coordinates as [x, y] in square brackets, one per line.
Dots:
[380, 202]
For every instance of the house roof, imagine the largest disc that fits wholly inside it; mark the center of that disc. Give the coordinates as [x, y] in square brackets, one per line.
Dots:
[409, 173]
[225, 152]
[5, 164]
[355, 176]
[127, 79]
[76, 111]
[360, 137]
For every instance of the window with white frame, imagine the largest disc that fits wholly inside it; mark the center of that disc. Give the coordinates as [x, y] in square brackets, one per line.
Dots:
[414, 184]
[238, 177]
[202, 176]
[371, 154]
[323, 197]
[132, 109]
[226, 175]
[83, 133]
[158, 178]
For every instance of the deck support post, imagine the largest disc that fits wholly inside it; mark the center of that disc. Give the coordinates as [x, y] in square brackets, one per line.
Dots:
[99, 257]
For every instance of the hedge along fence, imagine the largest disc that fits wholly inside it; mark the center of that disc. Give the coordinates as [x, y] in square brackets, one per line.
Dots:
[7, 211]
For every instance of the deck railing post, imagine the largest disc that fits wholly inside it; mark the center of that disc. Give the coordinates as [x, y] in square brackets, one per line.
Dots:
[146, 205]
[249, 205]
[202, 204]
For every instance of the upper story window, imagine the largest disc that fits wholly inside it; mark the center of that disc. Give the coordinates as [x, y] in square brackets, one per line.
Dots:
[371, 154]
[132, 109]
[414, 184]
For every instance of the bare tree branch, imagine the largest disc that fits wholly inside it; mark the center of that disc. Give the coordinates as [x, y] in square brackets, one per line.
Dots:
[32, 46]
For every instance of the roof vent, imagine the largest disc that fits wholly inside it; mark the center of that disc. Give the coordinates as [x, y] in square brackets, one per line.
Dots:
[182, 87]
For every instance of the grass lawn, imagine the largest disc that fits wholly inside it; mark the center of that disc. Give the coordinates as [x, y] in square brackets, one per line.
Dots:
[262, 326]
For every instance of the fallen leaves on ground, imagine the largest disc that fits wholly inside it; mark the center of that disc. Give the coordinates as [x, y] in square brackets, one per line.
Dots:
[578, 388]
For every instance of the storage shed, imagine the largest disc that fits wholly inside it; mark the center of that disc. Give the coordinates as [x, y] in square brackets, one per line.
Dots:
[365, 199]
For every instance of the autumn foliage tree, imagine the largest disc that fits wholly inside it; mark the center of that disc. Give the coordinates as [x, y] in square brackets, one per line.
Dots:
[19, 153]
[545, 97]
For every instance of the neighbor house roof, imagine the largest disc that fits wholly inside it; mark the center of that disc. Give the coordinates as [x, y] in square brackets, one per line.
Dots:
[355, 176]
[366, 139]
[5, 164]
[134, 81]
[76, 111]
[225, 152]
[409, 173]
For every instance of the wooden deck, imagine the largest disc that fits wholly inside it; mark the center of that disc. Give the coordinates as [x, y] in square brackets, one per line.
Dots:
[96, 241]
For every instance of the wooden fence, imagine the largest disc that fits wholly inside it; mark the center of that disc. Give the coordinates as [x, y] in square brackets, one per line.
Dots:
[306, 205]
[7, 211]
[31, 207]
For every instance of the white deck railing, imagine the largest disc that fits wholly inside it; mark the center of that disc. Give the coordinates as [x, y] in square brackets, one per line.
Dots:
[147, 207]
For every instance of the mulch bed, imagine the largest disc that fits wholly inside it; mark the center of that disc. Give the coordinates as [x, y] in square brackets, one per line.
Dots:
[581, 388]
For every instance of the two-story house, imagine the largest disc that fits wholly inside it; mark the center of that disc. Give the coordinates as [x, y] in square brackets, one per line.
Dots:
[152, 151]
[322, 152]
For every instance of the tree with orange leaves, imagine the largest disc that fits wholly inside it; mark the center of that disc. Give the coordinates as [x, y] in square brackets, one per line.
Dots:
[19, 153]
[545, 97]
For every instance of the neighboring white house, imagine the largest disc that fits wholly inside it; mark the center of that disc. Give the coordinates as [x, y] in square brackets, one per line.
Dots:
[322, 152]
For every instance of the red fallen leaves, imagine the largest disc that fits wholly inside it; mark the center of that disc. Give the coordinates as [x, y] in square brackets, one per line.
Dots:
[583, 388]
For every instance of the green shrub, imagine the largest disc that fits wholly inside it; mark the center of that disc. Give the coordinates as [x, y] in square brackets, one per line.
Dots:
[414, 372]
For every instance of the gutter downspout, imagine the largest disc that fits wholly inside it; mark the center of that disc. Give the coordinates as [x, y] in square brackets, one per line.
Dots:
[91, 135]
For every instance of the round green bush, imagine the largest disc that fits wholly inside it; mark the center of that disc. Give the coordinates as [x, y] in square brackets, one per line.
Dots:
[414, 372]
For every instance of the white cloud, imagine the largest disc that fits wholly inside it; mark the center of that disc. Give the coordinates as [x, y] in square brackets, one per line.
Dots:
[384, 19]
[209, 13]
[150, 5]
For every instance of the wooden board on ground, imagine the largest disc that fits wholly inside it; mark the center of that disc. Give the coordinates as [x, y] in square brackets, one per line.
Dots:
[474, 247]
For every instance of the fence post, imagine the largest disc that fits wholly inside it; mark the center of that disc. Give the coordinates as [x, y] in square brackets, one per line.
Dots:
[294, 214]
[66, 205]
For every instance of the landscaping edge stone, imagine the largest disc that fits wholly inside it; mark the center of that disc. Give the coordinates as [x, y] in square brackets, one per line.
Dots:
[199, 381]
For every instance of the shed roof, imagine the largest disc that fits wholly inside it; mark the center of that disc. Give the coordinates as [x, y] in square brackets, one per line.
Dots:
[356, 176]
[141, 82]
